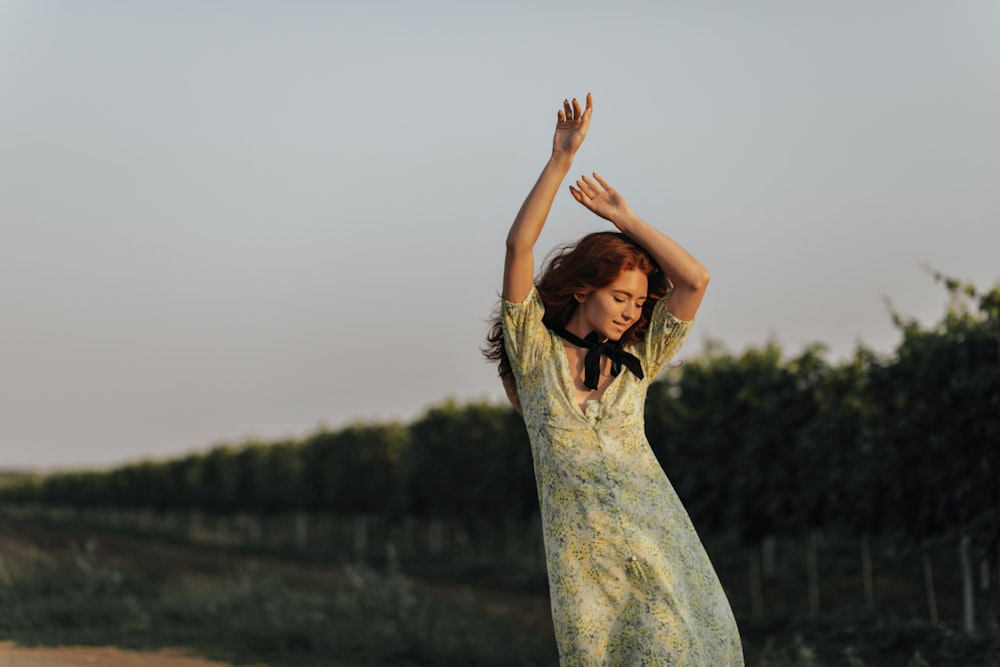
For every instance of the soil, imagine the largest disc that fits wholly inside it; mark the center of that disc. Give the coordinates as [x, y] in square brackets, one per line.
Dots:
[12, 655]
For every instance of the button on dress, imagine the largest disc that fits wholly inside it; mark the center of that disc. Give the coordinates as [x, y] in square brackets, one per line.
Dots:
[629, 579]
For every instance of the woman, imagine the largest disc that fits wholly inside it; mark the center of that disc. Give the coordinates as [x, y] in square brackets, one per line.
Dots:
[629, 580]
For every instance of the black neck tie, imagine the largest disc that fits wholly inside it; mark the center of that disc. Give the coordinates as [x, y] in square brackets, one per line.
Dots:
[592, 362]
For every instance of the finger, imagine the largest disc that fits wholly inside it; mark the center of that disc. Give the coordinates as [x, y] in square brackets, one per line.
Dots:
[568, 110]
[576, 109]
[580, 197]
[588, 112]
[586, 188]
[600, 180]
[591, 184]
[561, 117]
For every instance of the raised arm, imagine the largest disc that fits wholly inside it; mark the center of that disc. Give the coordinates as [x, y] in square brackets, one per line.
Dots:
[519, 264]
[689, 277]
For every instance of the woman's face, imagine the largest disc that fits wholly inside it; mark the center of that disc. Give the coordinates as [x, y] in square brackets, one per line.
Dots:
[613, 309]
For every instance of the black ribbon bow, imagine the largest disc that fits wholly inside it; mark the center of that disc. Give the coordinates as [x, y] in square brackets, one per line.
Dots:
[592, 362]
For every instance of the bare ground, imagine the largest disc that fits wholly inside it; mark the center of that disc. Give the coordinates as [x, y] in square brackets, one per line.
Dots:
[12, 655]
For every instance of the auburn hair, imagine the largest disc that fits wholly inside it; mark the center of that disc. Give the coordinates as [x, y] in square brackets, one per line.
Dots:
[592, 263]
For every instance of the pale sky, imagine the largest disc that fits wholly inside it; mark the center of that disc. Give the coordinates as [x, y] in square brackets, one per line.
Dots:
[221, 220]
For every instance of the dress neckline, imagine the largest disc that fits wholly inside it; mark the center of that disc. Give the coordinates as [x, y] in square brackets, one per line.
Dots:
[569, 386]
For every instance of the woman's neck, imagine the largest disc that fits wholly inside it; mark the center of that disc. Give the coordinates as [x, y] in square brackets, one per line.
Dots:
[579, 327]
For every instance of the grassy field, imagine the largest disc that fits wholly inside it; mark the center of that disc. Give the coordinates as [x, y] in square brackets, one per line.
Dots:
[73, 587]
[68, 584]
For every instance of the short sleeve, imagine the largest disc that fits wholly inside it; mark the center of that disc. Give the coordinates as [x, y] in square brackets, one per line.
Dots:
[664, 338]
[524, 334]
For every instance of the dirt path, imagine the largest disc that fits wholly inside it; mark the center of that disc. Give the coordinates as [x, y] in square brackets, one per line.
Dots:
[12, 655]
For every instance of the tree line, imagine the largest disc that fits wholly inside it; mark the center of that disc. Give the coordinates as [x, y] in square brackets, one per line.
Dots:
[771, 445]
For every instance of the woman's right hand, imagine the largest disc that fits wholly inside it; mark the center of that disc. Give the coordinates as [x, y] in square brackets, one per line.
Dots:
[519, 265]
[572, 127]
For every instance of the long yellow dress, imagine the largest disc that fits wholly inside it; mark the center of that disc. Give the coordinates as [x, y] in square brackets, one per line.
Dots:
[629, 579]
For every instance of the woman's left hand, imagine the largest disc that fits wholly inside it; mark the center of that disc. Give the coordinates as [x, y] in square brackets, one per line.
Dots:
[602, 199]
[688, 277]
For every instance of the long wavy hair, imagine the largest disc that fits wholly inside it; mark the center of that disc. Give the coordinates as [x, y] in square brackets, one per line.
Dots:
[593, 262]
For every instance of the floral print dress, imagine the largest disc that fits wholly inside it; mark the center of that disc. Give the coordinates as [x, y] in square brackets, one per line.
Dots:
[629, 580]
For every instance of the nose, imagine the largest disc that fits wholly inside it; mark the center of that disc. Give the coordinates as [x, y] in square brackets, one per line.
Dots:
[629, 312]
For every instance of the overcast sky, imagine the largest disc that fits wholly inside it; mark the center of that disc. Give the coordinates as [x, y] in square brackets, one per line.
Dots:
[221, 220]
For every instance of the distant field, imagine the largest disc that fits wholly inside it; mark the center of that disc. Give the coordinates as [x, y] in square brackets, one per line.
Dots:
[13, 476]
